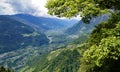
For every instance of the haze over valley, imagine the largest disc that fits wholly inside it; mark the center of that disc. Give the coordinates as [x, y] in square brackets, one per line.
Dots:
[59, 36]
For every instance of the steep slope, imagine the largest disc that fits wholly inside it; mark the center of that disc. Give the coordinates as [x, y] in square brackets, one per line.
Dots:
[15, 35]
[65, 59]
[52, 27]
[23, 40]
[44, 23]
[100, 53]
[81, 28]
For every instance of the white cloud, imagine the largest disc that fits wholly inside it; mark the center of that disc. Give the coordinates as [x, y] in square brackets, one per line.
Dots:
[6, 8]
[34, 7]
[40, 6]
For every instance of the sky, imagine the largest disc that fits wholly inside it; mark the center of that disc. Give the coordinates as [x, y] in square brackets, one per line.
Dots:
[34, 7]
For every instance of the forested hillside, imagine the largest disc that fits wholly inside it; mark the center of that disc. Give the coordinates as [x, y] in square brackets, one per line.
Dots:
[15, 35]
[22, 41]
[102, 53]
[80, 28]
[44, 23]
[96, 49]
[66, 59]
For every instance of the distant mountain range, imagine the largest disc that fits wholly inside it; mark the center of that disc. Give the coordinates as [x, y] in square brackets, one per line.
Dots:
[23, 37]
[44, 23]
[15, 34]
[33, 36]
[68, 58]
[20, 30]
[81, 28]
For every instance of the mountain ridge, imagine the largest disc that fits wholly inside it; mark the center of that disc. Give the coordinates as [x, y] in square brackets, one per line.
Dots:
[81, 28]
[14, 34]
[44, 23]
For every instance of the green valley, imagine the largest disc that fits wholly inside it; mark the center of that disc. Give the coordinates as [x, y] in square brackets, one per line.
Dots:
[66, 59]
[33, 43]
[15, 35]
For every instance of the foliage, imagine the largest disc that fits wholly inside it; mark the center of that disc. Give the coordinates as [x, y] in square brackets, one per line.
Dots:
[80, 40]
[103, 55]
[101, 30]
[60, 60]
[3, 69]
[69, 8]
[81, 28]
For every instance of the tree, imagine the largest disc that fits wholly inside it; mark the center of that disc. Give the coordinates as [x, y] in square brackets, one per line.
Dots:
[87, 9]
[3, 69]
[103, 55]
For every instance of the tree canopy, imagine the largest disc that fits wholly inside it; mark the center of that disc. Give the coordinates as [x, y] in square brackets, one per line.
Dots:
[3, 69]
[84, 8]
[103, 53]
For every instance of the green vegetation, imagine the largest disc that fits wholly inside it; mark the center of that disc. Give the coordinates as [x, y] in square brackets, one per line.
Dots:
[103, 51]
[81, 28]
[15, 35]
[84, 8]
[82, 39]
[44, 23]
[22, 44]
[100, 53]
[3, 69]
[65, 59]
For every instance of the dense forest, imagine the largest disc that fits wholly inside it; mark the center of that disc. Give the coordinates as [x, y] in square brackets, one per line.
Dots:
[103, 52]
[95, 51]
[15, 35]
[3, 69]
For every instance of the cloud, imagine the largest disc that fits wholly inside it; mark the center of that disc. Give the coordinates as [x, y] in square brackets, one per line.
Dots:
[34, 7]
[6, 8]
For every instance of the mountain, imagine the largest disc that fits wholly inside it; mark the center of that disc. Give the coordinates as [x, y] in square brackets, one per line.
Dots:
[24, 39]
[65, 59]
[44, 23]
[15, 35]
[81, 28]
[52, 27]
